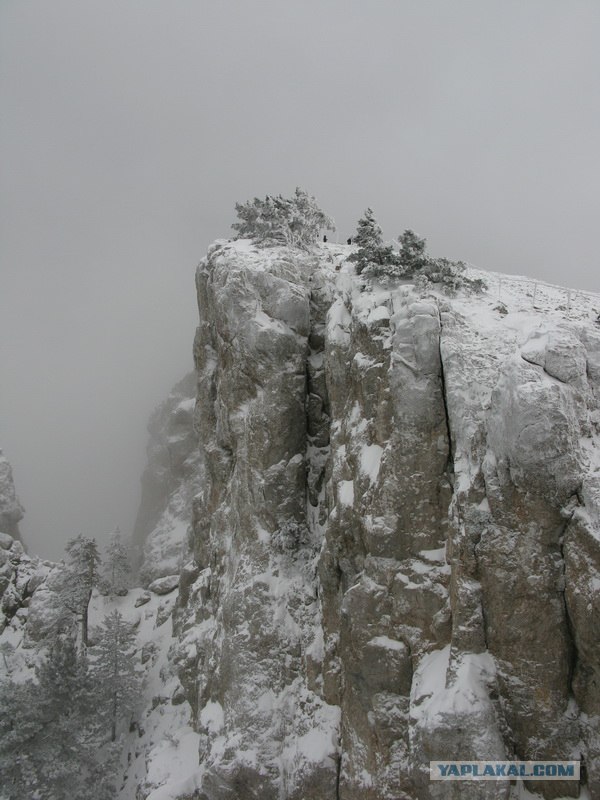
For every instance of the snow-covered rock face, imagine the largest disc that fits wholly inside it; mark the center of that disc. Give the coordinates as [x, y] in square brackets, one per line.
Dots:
[252, 622]
[11, 511]
[18, 577]
[159, 747]
[160, 537]
[391, 501]
[396, 535]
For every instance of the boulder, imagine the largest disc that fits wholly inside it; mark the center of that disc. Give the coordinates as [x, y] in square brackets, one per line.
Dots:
[164, 585]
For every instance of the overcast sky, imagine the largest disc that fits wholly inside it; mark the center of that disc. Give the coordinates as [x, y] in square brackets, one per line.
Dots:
[129, 129]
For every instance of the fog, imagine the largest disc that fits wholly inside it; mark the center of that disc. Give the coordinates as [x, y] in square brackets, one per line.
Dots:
[129, 129]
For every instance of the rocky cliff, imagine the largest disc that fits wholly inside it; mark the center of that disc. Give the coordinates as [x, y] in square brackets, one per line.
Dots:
[11, 510]
[16, 574]
[396, 541]
[371, 540]
[170, 481]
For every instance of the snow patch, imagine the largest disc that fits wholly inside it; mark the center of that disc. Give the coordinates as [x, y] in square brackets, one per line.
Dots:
[339, 321]
[432, 698]
[212, 717]
[434, 555]
[370, 460]
[387, 643]
[346, 493]
[379, 313]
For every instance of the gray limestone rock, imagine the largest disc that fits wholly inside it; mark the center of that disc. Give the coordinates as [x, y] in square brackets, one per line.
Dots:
[164, 585]
[11, 510]
[142, 600]
[374, 515]
[394, 534]
[6, 541]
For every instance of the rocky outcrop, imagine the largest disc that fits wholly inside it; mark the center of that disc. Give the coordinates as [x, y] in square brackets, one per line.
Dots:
[20, 574]
[396, 535]
[525, 444]
[250, 611]
[11, 510]
[160, 538]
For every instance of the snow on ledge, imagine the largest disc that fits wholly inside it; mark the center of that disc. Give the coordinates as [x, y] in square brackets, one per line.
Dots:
[431, 698]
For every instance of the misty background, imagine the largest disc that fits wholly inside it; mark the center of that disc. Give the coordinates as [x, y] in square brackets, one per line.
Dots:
[129, 129]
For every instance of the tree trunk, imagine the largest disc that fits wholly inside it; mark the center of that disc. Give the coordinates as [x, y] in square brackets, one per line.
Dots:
[84, 620]
[115, 705]
[113, 732]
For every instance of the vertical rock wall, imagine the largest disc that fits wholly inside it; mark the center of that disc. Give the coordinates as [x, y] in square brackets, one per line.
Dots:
[265, 728]
[396, 537]
[382, 565]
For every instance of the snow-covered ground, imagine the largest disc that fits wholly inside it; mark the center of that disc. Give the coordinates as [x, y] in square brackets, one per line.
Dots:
[159, 746]
[162, 748]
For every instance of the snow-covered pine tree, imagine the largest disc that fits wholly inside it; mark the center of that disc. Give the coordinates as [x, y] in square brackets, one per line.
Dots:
[50, 740]
[19, 729]
[306, 220]
[116, 568]
[413, 256]
[416, 263]
[372, 253]
[295, 222]
[368, 231]
[80, 577]
[411, 262]
[114, 669]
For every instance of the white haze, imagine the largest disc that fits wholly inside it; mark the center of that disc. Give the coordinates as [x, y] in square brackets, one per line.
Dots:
[129, 128]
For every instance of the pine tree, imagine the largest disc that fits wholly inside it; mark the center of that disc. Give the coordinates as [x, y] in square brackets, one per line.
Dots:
[19, 727]
[114, 669]
[413, 256]
[368, 232]
[116, 565]
[80, 577]
[416, 263]
[372, 252]
[49, 733]
[295, 222]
